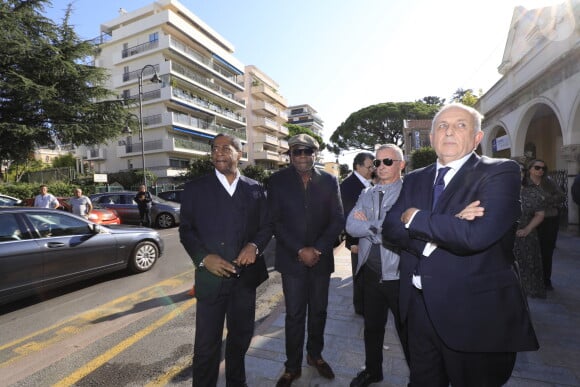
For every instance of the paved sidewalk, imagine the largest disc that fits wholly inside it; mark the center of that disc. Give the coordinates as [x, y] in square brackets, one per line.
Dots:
[556, 320]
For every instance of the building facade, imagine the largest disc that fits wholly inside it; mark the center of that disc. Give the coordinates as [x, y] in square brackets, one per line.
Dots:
[196, 99]
[533, 111]
[265, 115]
[306, 116]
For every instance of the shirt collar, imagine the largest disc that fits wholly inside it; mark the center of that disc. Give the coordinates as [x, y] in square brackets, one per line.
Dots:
[362, 179]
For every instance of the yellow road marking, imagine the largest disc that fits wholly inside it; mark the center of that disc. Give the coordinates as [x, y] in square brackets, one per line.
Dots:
[165, 379]
[122, 346]
[34, 342]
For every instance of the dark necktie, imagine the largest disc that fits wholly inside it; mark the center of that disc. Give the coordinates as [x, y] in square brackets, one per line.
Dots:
[381, 195]
[439, 184]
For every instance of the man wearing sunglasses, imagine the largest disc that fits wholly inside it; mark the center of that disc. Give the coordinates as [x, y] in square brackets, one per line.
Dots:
[350, 189]
[378, 265]
[306, 215]
[460, 295]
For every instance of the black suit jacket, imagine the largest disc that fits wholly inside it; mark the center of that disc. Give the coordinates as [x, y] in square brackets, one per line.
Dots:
[304, 217]
[470, 285]
[350, 190]
[204, 219]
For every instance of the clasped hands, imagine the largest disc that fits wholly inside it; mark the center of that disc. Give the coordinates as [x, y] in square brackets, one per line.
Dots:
[218, 266]
[470, 212]
[309, 256]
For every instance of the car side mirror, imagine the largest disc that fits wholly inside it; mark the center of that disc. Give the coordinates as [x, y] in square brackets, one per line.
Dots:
[96, 228]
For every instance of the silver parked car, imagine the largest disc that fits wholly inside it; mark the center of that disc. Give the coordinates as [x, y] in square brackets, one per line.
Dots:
[41, 249]
[164, 214]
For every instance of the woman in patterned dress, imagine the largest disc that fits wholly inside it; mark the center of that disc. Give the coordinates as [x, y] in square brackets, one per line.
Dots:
[527, 245]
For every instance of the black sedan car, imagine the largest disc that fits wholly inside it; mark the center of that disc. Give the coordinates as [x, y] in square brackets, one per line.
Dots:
[42, 249]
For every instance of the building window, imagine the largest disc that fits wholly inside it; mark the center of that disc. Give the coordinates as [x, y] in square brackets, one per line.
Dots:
[153, 37]
[179, 163]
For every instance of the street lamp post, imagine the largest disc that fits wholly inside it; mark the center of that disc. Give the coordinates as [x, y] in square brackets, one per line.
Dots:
[154, 79]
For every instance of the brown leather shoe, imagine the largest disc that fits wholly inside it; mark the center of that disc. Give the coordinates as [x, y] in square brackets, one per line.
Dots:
[287, 378]
[321, 366]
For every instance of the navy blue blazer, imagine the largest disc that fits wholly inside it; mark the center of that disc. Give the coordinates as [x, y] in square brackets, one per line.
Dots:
[204, 220]
[350, 190]
[304, 217]
[470, 285]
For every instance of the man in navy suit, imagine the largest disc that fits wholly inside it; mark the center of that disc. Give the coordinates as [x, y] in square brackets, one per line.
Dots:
[307, 216]
[224, 226]
[460, 294]
[350, 189]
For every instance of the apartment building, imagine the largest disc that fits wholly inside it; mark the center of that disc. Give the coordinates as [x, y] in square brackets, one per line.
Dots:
[306, 116]
[197, 97]
[265, 116]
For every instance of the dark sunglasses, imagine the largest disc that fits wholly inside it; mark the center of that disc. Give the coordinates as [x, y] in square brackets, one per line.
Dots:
[387, 162]
[537, 168]
[303, 152]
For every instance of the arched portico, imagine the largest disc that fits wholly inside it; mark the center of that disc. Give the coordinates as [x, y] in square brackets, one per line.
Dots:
[537, 100]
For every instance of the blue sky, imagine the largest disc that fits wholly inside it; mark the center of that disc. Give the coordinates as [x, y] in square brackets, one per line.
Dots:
[340, 56]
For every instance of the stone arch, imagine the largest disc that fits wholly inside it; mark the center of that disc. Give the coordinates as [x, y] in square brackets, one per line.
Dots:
[539, 133]
[497, 133]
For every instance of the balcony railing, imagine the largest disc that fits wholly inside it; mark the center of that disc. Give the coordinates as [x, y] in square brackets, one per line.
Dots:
[139, 49]
[149, 95]
[191, 52]
[207, 126]
[135, 74]
[206, 104]
[205, 82]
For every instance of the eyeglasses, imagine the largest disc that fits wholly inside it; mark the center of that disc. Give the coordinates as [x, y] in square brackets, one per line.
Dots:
[537, 168]
[227, 149]
[303, 152]
[387, 162]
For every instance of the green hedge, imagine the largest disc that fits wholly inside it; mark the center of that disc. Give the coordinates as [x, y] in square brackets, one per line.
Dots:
[28, 190]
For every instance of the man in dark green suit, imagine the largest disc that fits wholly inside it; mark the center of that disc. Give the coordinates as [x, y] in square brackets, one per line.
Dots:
[224, 227]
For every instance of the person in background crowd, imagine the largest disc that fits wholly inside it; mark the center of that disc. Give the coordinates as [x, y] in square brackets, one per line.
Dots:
[548, 229]
[143, 200]
[527, 245]
[45, 199]
[350, 189]
[224, 227]
[306, 216]
[461, 298]
[80, 204]
[378, 265]
[575, 190]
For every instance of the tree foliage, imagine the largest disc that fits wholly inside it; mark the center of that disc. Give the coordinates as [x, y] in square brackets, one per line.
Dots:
[466, 96]
[256, 172]
[199, 166]
[67, 160]
[49, 92]
[432, 100]
[422, 157]
[294, 129]
[379, 124]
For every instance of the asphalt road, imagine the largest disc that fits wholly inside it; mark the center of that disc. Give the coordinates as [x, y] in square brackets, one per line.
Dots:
[116, 330]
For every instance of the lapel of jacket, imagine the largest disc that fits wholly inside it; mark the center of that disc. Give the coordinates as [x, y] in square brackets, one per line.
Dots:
[458, 182]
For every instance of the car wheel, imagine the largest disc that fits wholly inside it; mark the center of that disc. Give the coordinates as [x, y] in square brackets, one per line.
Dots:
[165, 220]
[144, 257]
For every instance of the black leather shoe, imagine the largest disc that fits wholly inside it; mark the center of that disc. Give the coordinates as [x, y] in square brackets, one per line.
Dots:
[287, 378]
[365, 378]
[321, 366]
